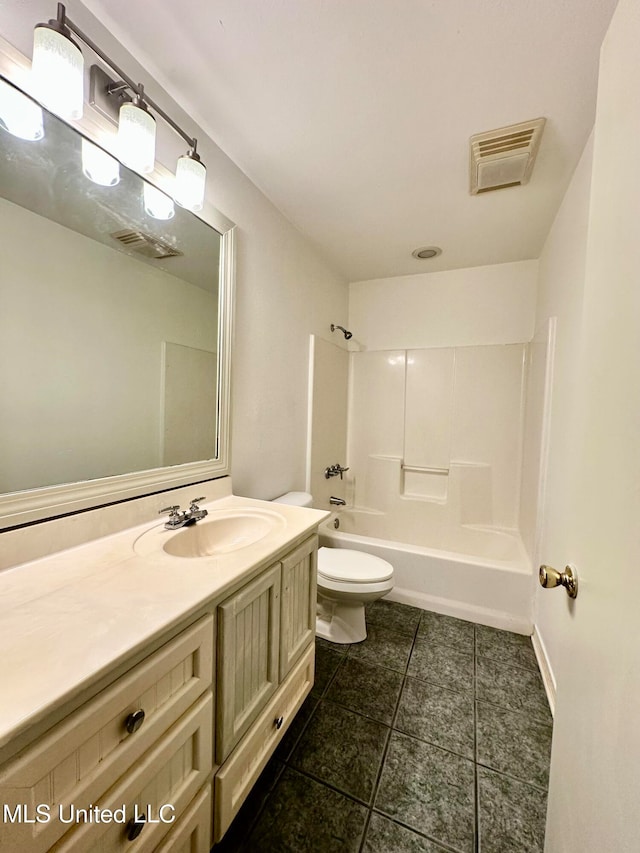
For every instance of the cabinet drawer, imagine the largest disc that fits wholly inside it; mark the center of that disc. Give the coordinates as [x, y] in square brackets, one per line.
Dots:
[238, 774]
[192, 833]
[85, 754]
[169, 775]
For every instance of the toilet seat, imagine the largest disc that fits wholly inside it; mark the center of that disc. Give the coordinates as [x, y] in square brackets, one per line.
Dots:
[342, 565]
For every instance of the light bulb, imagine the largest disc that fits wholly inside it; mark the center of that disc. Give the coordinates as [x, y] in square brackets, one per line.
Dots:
[98, 166]
[137, 138]
[191, 177]
[57, 69]
[19, 114]
[157, 203]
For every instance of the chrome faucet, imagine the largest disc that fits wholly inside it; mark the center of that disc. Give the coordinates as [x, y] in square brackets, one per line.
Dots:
[337, 501]
[183, 517]
[334, 471]
[195, 513]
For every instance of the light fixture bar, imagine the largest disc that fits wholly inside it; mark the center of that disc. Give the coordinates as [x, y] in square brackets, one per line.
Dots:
[58, 56]
[137, 88]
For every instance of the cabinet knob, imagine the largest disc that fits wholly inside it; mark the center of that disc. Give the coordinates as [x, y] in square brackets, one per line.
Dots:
[134, 828]
[278, 722]
[134, 721]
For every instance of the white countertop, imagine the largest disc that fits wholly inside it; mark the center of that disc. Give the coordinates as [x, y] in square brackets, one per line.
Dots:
[67, 619]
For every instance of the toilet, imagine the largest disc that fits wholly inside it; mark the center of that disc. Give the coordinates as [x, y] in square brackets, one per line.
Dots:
[347, 580]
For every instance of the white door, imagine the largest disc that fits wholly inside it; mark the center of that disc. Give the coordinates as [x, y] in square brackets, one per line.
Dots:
[594, 797]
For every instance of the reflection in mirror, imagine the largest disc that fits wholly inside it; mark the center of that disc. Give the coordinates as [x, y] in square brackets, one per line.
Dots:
[109, 326]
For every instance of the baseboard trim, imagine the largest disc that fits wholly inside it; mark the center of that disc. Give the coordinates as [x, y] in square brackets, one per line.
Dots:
[546, 671]
[461, 610]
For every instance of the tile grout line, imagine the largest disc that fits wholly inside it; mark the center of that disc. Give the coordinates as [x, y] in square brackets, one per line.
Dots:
[388, 741]
[519, 712]
[286, 761]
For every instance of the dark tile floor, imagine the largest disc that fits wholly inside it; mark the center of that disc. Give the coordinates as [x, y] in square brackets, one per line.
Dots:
[433, 735]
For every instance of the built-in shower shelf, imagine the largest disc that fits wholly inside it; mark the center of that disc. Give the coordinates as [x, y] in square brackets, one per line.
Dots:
[421, 469]
[425, 482]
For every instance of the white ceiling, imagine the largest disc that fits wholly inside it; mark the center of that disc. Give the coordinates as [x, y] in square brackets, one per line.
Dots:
[353, 116]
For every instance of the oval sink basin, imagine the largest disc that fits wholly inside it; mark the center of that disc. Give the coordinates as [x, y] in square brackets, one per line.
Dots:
[219, 533]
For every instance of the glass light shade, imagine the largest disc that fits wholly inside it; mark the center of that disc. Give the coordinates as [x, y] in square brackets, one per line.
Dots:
[157, 203]
[57, 69]
[191, 176]
[19, 114]
[98, 166]
[137, 138]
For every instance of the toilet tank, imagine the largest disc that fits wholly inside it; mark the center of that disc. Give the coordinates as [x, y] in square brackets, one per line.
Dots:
[295, 499]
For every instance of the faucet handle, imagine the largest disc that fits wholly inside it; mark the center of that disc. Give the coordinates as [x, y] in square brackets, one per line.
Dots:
[196, 501]
[172, 510]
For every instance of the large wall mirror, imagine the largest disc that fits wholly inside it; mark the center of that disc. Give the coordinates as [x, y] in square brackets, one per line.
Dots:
[114, 331]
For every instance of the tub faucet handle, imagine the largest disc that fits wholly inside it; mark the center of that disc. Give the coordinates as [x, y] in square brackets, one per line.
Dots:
[334, 470]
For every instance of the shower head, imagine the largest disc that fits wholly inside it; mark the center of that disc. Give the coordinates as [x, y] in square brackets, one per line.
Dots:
[346, 334]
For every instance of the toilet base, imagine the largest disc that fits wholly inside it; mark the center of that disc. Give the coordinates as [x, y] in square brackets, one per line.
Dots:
[339, 622]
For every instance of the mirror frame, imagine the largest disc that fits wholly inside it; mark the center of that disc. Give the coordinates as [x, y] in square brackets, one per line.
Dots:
[33, 505]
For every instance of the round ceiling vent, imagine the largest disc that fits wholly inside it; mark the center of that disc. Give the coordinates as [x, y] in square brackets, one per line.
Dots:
[427, 252]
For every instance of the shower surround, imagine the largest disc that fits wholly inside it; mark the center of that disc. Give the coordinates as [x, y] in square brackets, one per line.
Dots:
[435, 435]
[434, 449]
[433, 415]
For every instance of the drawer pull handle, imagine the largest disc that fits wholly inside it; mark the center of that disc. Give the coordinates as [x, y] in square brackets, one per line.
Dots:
[134, 828]
[279, 722]
[134, 721]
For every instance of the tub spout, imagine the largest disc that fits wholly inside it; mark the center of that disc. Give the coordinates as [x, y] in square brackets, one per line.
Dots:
[337, 501]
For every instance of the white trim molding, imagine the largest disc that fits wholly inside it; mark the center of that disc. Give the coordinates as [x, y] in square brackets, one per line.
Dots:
[548, 678]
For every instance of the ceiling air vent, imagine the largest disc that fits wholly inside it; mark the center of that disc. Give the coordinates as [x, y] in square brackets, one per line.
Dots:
[145, 245]
[504, 157]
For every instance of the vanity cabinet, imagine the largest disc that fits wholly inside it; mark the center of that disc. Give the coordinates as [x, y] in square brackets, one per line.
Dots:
[145, 740]
[190, 728]
[266, 657]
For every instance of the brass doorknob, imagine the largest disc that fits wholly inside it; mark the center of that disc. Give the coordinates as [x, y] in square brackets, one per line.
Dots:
[550, 578]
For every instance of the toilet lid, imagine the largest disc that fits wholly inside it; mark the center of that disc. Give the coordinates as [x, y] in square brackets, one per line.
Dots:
[343, 564]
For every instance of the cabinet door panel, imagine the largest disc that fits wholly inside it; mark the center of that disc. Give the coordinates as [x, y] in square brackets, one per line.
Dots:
[298, 623]
[234, 781]
[248, 650]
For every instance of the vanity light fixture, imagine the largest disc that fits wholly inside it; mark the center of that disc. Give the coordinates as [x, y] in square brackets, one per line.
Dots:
[57, 67]
[137, 135]
[19, 115]
[98, 166]
[58, 81]
[190, 180]
[157, 204]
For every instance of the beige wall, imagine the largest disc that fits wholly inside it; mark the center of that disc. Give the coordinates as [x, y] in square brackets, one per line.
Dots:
[560, 296]
[468, 307]
[328, 421]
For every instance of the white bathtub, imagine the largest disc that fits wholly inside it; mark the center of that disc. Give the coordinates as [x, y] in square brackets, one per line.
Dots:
[473, 573]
